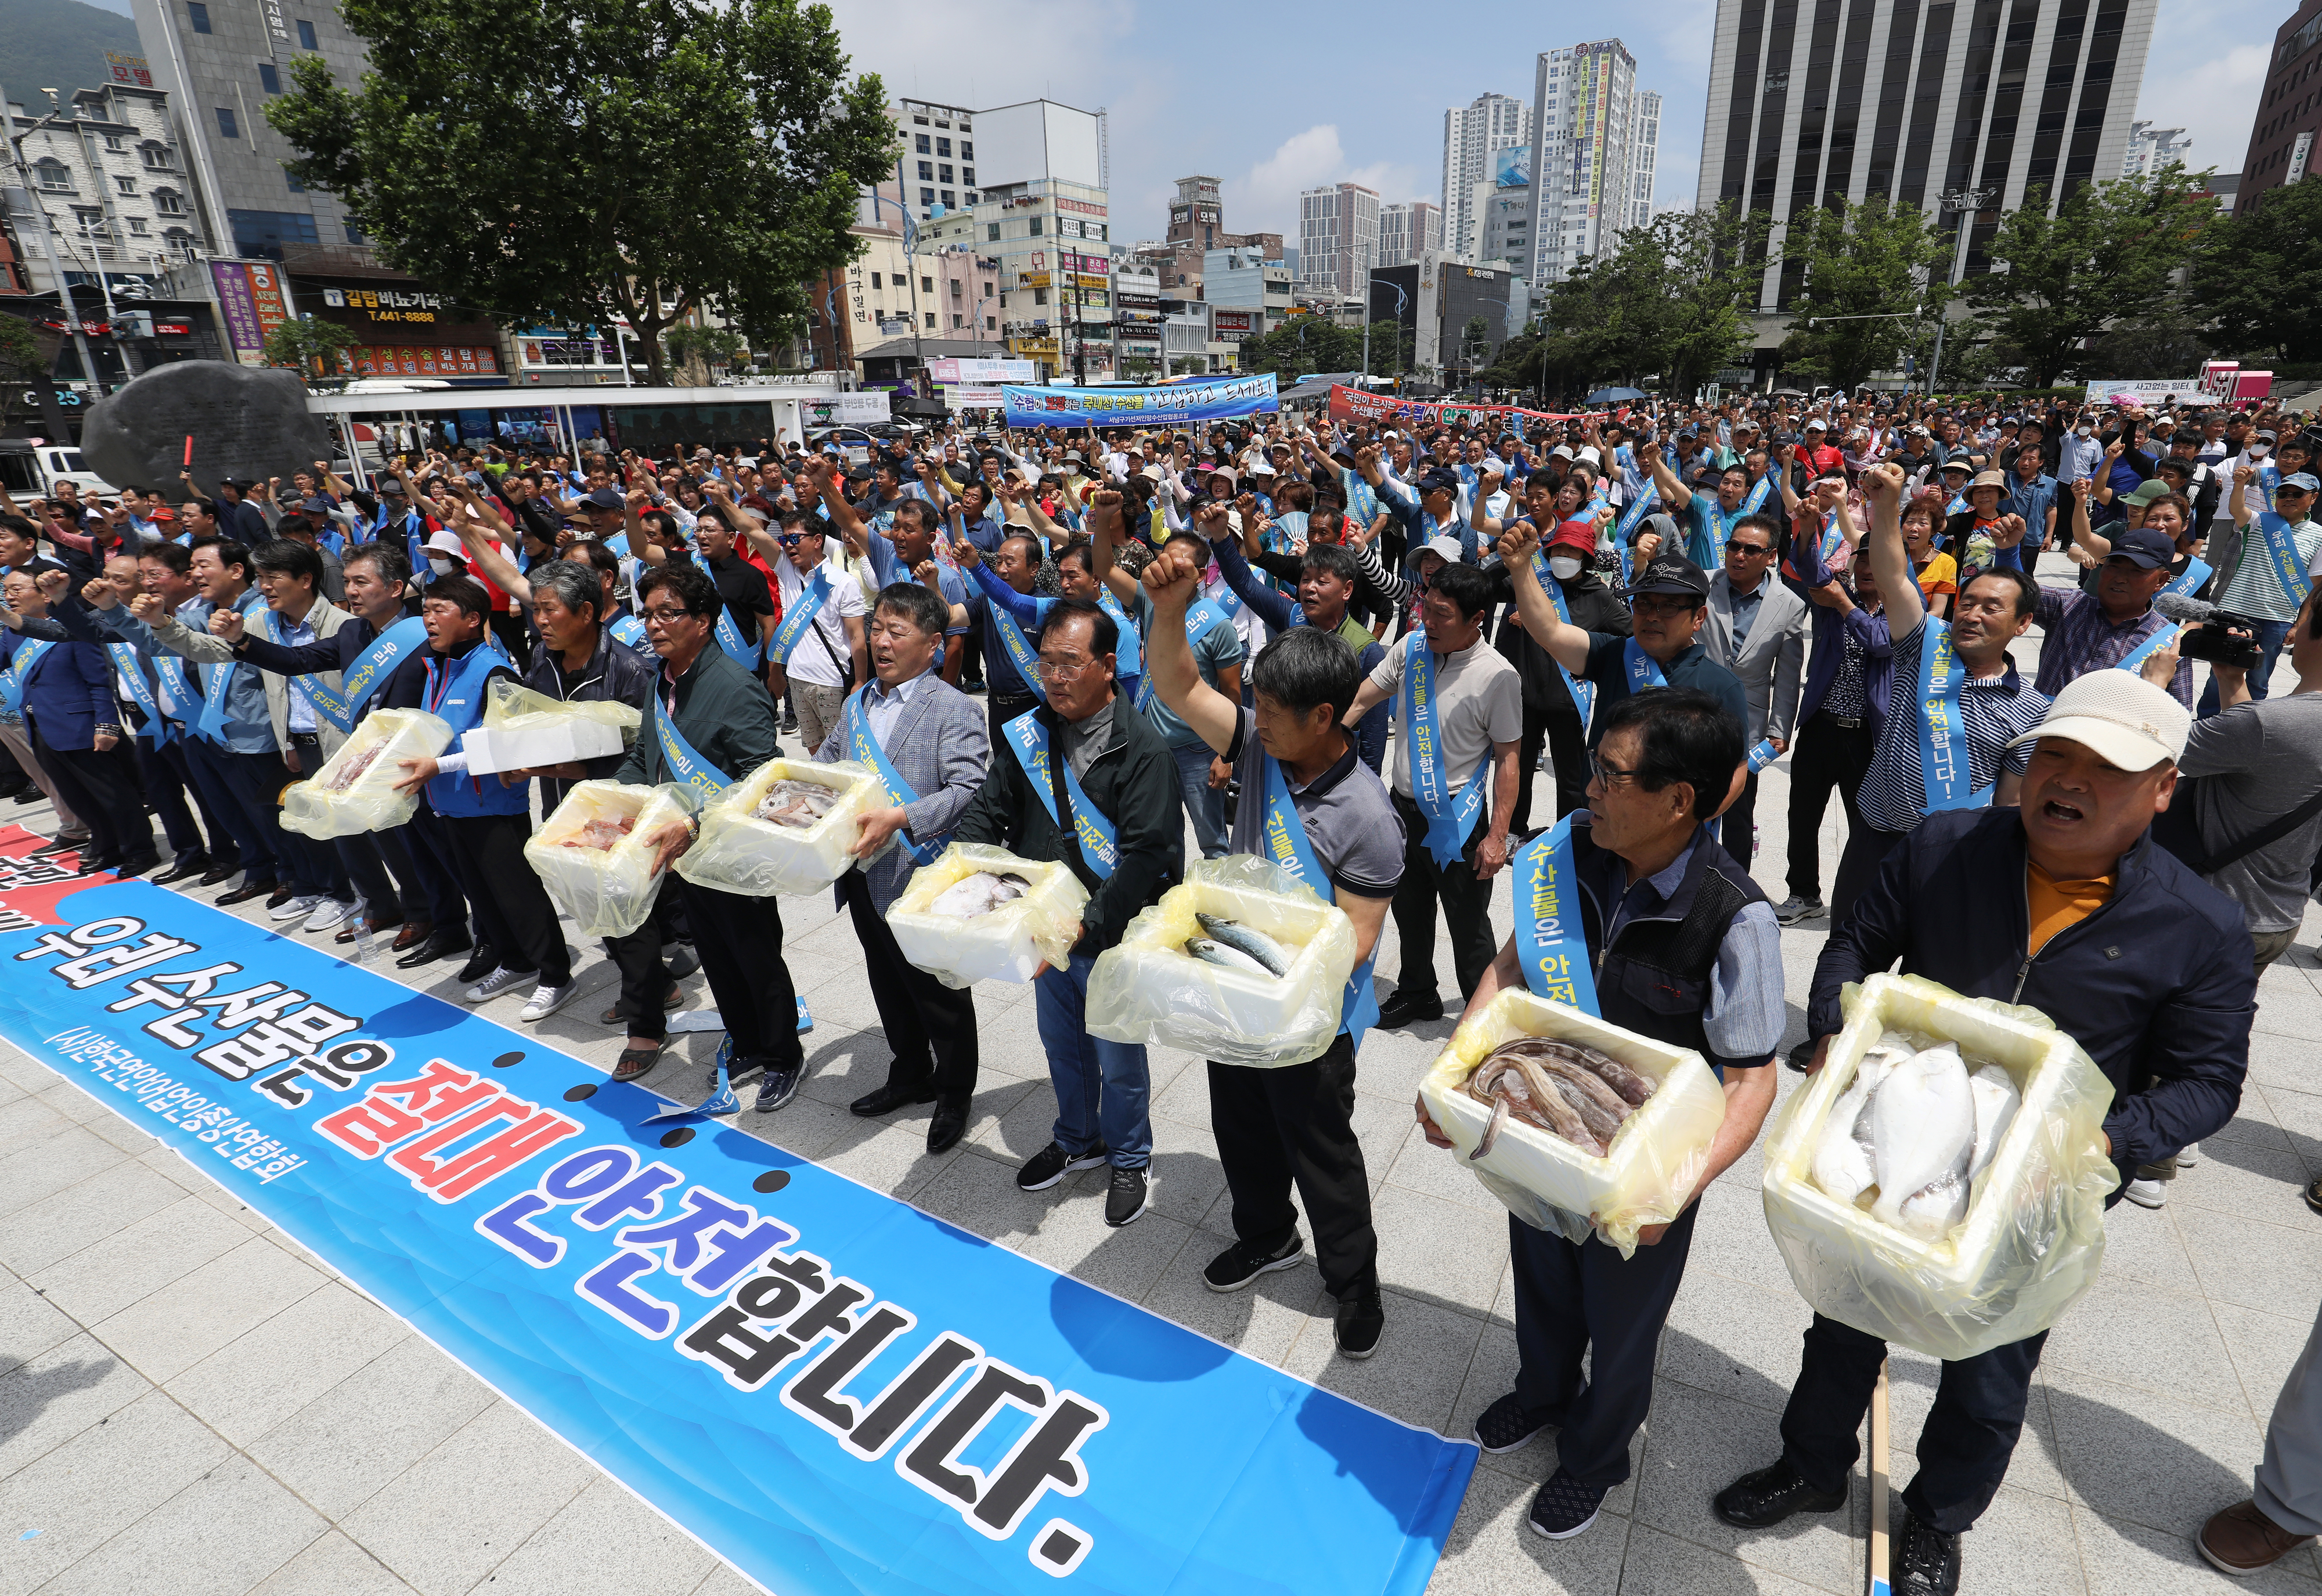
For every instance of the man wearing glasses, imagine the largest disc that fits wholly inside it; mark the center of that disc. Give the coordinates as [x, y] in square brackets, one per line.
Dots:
[1758, 631]
[2255, 584]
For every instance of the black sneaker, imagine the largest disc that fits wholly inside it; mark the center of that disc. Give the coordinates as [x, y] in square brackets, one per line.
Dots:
[1564, 1506]
[1927, 1561]
[1052, 1163]
[1124, 1198]
[789, 721]
[777, 1087]
[1506, 1427]
[1399, 1011]
[1762, 1499]
[481, 963]
[1360, 1321]
[1241, 1265]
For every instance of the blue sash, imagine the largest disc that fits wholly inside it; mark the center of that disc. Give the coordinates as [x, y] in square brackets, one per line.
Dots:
[1129, 655]
[866, 751]
[729, 636]
[211, 722]
[1199, 616]
[1584, 693]
[175, 686]
[1754, 501]
[1021, 652]
[1832, 538]
[1959, 506]
[368, 674]
[12, 684]
[1228, 600]
[2146, 650]
[1288, 845]
[803, 609]
[412, 521]
[1644, 671]
[630, 632]
[619, 544]
[1028, 740]
[1642, 506]
[1551, 945]
[1943, 772]
[683, 761]
[1762, 755]
[1449, 817]
[2280, 547]
[129, 666]
[2189, 581]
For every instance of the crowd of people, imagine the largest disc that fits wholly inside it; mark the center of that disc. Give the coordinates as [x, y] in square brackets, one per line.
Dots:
[1351, 647]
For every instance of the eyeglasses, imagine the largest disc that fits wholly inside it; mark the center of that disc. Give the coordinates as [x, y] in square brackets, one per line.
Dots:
[663, 616]
[1051, 670]
[1610, 775]
[1664, 603]
[1754, 550]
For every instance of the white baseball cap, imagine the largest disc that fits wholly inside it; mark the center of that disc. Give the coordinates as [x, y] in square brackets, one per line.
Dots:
[2121, 717]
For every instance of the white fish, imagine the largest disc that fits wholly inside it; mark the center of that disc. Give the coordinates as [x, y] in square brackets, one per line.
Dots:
[1995, 1102]
[1923, 1135]
[974, 896]
[1842, 1164]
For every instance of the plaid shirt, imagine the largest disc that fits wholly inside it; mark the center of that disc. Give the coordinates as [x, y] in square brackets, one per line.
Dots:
[2079, 638]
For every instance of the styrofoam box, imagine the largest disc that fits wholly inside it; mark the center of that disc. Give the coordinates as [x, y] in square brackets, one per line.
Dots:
[739, 852]
[493, 749]
[1002, 945]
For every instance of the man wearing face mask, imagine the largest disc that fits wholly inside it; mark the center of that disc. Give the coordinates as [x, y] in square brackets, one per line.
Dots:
[2080, 452]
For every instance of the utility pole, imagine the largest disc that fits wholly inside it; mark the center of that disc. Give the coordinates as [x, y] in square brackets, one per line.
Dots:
[47, 230]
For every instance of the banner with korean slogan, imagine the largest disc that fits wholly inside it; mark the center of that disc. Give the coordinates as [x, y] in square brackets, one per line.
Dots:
[836, 1391]
[1140, 406]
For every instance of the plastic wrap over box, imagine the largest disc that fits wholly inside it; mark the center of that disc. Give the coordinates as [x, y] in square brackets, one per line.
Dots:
[1147, 988]
[380, 743]
[2033, 1236]
[510, 706]
[607, 892]
[739, 852]
[1656, 1155]
[1012, 942]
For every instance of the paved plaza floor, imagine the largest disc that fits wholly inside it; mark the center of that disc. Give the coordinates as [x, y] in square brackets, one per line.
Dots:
[192, 1405]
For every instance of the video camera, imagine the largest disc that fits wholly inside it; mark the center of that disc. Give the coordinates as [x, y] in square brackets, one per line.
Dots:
[2219, 636]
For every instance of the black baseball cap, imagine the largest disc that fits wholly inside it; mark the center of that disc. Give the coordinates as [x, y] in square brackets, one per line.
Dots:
[2146, 547]
[602, 499]
[1671, 573]
[1442, 479]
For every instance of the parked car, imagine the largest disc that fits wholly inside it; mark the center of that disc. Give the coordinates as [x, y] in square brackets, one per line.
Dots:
[27, 468]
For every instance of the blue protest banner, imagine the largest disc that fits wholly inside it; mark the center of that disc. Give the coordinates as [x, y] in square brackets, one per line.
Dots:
[1139, 406]
[834, 1391]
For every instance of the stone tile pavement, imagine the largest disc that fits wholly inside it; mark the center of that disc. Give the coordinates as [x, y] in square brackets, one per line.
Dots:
[192, 1406]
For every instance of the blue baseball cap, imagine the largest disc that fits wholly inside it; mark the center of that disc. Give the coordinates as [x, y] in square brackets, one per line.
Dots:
[2305, 480]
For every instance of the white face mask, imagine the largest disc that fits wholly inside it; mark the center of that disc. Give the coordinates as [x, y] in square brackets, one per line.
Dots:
[1563, 567]
[441, 568]
[2260, 451]
[2084, 429]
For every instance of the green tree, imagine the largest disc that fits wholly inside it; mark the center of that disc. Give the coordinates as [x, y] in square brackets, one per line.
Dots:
[696, 351]
[2108, 254]
[1862, 264]
[591, 160]
[318, 349]
[27, 360]
[1669, 298]
[2257, 278]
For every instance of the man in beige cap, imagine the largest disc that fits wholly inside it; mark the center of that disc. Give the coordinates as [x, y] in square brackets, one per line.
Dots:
[2068, 906]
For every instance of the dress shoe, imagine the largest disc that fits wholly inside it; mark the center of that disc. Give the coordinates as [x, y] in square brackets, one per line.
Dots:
[184, 868]
[413, 933]
[946, 1126]
[889, 1098]
[30, 795]
[282, 895]
[358, 925]
[443, 945]
[245, 892]
[60, 845]
[218, 872]
[1399, 1010]
[136, 867]
[1764, 1498]
[481, 963]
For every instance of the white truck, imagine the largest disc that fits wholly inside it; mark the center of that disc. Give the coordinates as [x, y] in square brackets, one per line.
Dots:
[35, 469]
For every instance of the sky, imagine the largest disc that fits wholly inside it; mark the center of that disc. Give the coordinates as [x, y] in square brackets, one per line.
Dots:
[1275, 99]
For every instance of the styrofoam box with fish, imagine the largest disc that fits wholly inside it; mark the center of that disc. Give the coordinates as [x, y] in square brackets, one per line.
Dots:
[593, 857]
[1005, 933]
[1655, 1157]
[1148, 988]
[1904, 1266]
[740, 850]
[354, 792]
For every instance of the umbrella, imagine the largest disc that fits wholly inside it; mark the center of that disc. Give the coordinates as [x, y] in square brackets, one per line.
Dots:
[1613, 396]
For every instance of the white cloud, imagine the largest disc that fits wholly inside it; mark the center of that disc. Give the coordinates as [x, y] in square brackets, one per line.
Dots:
[1265, 199]
[934, 50]
[2191, 81]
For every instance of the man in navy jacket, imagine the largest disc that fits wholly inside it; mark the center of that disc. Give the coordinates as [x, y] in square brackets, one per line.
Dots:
[2068, 906]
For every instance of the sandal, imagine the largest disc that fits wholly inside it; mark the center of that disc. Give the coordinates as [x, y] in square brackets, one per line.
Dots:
[619, 1013]
[635, 1061]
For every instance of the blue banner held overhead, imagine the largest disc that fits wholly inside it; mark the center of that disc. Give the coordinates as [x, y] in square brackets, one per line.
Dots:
[839, 1393]
[1140, 406]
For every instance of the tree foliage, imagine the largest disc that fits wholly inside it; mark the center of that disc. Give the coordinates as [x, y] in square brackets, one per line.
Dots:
[584, 159]
[2257, 279]
[318, 349]
[1306, 344]
[2108, 255]
[1669, 299]
[1865, 268]
[27, 360]
[696, 351]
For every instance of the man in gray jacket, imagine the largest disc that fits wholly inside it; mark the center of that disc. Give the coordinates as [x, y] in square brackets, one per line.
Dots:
[1757, 630]
[933, 747]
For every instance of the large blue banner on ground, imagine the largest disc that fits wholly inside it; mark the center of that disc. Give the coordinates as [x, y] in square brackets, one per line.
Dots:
[837, 1392]
[1140, 406]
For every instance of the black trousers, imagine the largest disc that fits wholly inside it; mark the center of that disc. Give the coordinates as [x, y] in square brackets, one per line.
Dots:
[1294, 1125]
[163, 790]
[368, 857]
[170, 769]
[1528, 751]
[256, 781]
[212, 767]
[1000, 709]
[102, 789]
[930, 1027]
[1827, 756]
[1867, 848]
[513, 910]
[1963, 1447]
[1568, 750]
[1467, 908]
[1738, 826]
[1572, 1299]
[429, 849]
[740, 942]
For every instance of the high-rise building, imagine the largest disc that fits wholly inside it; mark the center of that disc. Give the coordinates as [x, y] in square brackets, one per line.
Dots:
[1409, 231]
[1644, 155]
[1472, 135]
[2282, 134]
[1584, 100]
[2151, 148]
[1917, 102]
[1338, 238]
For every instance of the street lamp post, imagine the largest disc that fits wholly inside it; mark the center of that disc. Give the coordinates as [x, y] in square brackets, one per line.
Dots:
[1966, 204]
[910, 256]
[1402, 300]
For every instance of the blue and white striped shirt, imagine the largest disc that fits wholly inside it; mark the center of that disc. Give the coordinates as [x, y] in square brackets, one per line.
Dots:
[1993, 710]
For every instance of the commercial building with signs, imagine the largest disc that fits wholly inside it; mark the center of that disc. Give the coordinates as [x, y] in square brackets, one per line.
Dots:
[1441, 301]
[1473, 136]
[1920, 104]
[1338, 238]
[1408, 230]
[1587, 124]
[1197, 227]
[2288, 111]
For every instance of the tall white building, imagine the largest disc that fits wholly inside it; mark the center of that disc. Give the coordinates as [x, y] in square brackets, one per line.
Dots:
[1934, 102]
[2151, 148]
[1644, 155]
[1472, 134]
[1337, 239]
[1408, 230]
[1584, 105]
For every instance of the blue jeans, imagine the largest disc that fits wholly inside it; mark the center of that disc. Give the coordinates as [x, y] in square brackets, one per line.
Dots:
[1204, 803]
[1102, 1089]
[2270, 636]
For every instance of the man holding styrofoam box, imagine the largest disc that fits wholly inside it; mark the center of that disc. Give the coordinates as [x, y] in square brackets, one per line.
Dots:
[551, 740]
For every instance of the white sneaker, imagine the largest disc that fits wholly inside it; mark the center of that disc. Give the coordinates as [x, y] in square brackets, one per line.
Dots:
[547, 999]
[328, 915]
[2187, 1157]
[502, 980]
[2148, 1194]
[295, 908]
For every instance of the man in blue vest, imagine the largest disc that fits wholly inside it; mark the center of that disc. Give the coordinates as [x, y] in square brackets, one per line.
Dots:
[1302, 781]
[1680, 947]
